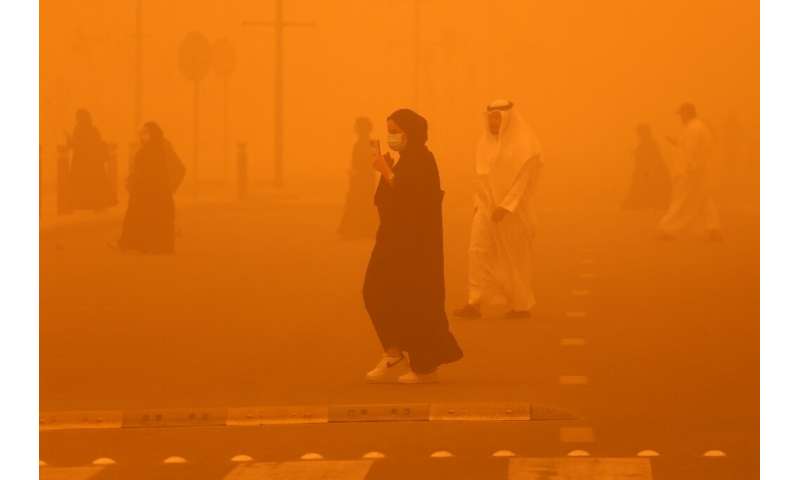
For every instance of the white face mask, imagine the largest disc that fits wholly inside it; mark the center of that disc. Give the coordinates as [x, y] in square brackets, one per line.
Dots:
[395, 141]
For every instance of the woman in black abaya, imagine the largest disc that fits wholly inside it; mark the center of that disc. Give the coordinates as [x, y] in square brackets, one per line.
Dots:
[404, 288]
[149, 225]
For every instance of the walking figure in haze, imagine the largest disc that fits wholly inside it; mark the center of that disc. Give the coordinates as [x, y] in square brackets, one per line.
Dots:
[88, 186]
[359, 219]
[404, 285]
[156, 173]
[508, 163]
[692, 202]
[650, 186]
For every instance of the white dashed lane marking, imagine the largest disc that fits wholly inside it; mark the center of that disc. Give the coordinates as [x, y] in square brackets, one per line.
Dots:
[576, 435]
[573, 380]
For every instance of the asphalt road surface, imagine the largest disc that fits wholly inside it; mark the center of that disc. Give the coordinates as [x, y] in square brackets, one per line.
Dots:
[639, 345]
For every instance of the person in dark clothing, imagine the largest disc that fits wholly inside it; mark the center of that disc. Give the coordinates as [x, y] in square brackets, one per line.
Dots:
[359, 219]
[156, 173]
[650, 186]
[404, 288]
[88, 186]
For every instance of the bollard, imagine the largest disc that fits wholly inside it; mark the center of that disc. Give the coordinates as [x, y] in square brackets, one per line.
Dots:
[112, 171]
[241, 171]
[62, 180]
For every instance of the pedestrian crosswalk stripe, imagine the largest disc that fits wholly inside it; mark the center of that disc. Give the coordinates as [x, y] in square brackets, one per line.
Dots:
[573, 342]
[69, 473]
[103, 461]
[573, 380]
[241, 458]
[374, 455]
[580, 468]
[321, 470]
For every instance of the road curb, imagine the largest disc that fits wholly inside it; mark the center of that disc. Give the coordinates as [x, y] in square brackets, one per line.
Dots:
[302, 414]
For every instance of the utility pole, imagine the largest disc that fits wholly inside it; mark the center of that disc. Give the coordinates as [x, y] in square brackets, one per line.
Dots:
[416, 52]
[278, 25]
[138, 65]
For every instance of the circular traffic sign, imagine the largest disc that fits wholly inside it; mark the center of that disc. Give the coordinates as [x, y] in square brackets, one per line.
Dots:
[194, 56]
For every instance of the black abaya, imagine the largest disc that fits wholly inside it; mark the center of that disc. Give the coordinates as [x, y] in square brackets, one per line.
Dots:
[404, 289]
[149, 224]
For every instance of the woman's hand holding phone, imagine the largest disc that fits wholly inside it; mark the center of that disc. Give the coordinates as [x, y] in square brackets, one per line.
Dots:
[381, 163]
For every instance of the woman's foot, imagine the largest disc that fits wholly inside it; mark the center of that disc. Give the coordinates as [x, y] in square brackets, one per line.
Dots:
[468, 311]
[415, 378]
[388, 369]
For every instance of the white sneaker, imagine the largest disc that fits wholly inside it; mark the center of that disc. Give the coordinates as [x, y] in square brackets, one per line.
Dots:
[413, 378]
[388, 369]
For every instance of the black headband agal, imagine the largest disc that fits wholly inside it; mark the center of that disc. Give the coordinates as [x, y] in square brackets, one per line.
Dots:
[501, 108]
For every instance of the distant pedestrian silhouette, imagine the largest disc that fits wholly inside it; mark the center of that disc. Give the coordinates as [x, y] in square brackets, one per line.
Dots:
[650, 185]
[88, 186]
[404, 286]
[692, 203]
[157, 172]
[359, 219]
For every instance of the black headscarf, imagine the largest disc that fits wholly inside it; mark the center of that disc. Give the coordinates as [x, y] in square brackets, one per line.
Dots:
[156, 134]
[83, 117]
[413, 124]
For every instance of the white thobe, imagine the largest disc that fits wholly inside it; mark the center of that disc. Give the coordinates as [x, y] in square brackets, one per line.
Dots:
[500, 253]
[692, 202]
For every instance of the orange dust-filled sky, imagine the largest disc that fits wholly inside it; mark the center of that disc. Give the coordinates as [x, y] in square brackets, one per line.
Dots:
[583, 72]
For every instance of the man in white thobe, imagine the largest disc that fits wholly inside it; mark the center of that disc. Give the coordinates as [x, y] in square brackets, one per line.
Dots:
[508, 162]
[692, 201]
